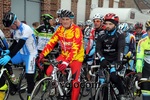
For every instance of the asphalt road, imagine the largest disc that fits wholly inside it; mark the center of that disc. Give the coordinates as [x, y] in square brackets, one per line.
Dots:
[16, 96]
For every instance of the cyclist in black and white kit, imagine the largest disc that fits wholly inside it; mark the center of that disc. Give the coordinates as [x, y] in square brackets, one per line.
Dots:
[110, 47]
[23, 49]
[44, 32]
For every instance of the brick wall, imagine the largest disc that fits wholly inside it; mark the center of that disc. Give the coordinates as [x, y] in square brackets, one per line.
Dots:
[74, 8]
[100, 3]
[5, 6]
[50, 6]
[88, 8]
[111, 3]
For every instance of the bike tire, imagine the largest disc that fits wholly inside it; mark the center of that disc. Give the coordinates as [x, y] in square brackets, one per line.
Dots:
[39, 94]
[22, 86]
[130, 82]
[7, 82]
[84, 91]
[102, 93]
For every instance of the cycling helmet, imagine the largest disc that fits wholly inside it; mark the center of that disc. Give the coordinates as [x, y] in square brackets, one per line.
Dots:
[47, 17]
[88, 22]
[67, 13]
[80, 23]
[59, 12]
[147, 24]
[124, 27]
[112, 18]
[138, 25]
[98, 16]
[131, 28]
[9, 19]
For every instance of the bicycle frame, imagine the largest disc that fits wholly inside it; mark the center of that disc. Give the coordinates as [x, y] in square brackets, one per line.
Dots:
[55, 78]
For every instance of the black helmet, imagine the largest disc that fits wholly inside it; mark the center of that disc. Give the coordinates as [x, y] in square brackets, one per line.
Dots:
[9, 19]
[46, 18]
[67, 13]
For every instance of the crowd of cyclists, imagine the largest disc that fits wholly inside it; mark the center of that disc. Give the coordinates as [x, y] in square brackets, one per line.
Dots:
[102, 37]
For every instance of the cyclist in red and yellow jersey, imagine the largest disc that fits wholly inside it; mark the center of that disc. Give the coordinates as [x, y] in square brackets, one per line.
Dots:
[72, 52]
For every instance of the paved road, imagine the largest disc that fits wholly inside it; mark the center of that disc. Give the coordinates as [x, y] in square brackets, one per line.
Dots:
[16, 97]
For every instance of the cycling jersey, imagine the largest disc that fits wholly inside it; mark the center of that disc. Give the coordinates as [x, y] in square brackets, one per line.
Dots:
[130, 44]
[24, 32]
[138, 36]
[43, 34]
[143, 53]
[3, 41]
[144, 35]
[70, 41]
[110, 45]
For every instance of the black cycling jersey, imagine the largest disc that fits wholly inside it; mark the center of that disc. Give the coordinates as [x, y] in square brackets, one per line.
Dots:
[43, 29]
[110, 45]
[97, 31]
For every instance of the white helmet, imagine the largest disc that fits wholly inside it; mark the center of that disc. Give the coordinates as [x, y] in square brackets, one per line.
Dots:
[88, 22]
[80, 23]
[124, 27]
[59, 11]
[98, 16]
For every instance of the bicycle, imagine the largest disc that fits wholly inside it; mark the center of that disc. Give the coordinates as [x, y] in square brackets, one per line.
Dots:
[13, 88]
[38, 76]
[55, 85]
[106, 90]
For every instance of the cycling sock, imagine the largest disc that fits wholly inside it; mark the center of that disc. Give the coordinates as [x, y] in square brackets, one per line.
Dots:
[30, 82]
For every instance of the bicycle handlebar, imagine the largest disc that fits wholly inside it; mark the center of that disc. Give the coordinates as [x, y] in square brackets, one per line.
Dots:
[2, 71]
[98, 66]
[140, 81]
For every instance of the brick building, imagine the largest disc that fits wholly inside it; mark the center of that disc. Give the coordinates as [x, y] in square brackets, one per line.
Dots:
[51, 6]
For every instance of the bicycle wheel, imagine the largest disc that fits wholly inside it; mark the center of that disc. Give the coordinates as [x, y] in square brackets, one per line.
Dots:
[103, 94]
[130, 79]
[22, 86]
[7, 84]
[84, 88]
[49, 93]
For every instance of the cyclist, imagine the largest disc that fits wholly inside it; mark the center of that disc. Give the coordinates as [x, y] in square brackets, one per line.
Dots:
[138, 31]
[23, 49]
[44, 32]
[90, 50]
[81, 26]
[143, 63]
[147, 24]
[87, 32]
[110, 48]
[58, 19]
[35, 25]
[3, 46]
[72, 52]
[130, 43]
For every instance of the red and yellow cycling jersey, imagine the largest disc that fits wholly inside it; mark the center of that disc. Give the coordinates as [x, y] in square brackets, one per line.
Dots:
[71, 42]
